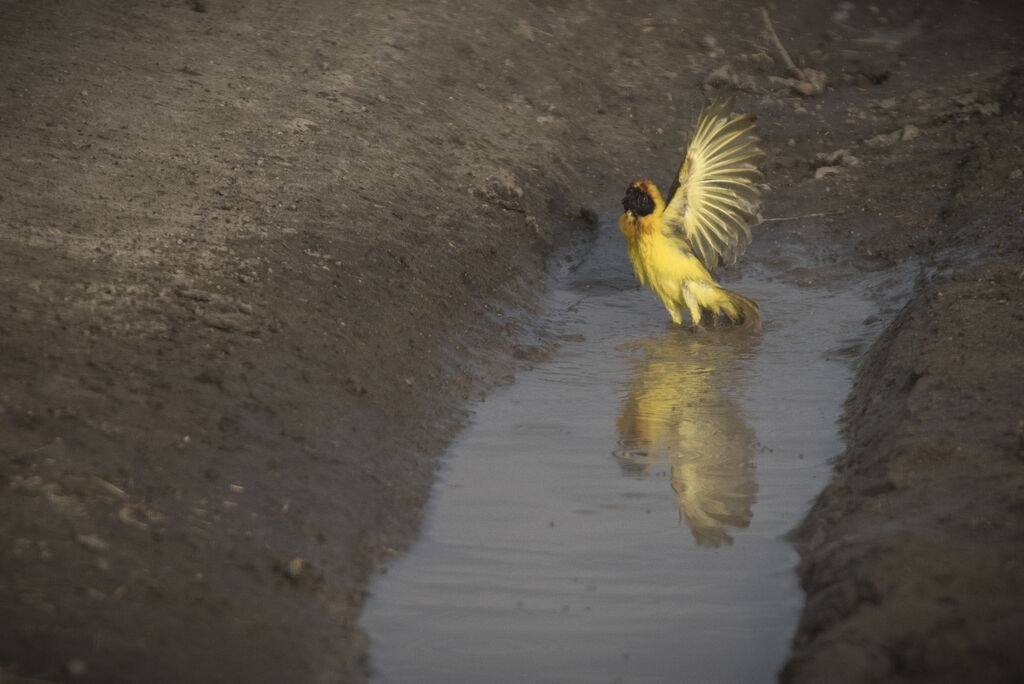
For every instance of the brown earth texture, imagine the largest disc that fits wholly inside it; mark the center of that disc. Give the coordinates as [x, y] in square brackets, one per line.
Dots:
[255, 256]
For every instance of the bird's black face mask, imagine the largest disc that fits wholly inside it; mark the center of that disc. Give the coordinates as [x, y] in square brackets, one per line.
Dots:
[638, 202]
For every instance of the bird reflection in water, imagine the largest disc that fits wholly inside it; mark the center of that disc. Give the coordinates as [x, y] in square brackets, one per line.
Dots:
[680, 414]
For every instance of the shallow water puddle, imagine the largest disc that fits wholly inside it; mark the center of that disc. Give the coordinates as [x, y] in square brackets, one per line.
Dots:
[616, 514]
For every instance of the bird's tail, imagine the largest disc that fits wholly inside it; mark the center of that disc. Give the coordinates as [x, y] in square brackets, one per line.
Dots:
[739, 310]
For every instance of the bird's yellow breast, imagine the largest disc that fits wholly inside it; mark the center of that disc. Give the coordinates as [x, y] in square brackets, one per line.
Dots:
[660, 262]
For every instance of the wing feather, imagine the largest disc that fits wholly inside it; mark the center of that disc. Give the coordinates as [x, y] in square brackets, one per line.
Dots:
[714, 199]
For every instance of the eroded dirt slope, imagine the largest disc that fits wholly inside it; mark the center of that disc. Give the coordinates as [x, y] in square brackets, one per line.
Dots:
[911, 556]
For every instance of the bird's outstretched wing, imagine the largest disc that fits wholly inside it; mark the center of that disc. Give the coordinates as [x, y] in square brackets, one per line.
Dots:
[714, 201]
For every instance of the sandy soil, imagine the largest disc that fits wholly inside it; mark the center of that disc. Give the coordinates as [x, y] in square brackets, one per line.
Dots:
[255, 255]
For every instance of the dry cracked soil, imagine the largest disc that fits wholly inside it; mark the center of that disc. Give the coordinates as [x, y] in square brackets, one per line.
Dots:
[255, 256]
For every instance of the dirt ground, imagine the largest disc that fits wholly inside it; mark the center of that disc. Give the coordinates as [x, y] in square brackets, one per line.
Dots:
[256, 255]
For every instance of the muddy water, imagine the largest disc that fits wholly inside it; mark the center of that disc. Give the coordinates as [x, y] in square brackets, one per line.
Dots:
[617, 514]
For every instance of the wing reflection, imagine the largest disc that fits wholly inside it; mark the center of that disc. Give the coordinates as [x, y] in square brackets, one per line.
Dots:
[680, 414]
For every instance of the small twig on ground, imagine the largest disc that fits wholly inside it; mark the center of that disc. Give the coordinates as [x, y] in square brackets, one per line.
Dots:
[803, 216]
[808, 81]
[780, 47]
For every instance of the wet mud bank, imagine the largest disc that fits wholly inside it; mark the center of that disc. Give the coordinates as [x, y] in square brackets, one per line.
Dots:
[911, 555]
[255, 256]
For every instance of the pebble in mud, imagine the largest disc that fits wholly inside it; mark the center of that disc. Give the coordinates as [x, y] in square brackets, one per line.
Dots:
[93, 542]
[301, 572]
[76, 668]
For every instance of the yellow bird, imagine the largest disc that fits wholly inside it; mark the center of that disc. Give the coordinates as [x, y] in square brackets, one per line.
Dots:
[705, 224]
